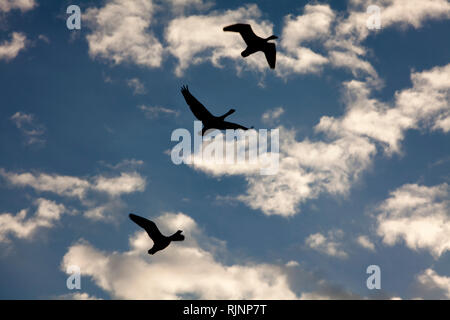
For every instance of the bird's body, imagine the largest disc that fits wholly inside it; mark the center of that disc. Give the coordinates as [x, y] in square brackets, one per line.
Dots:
[160, 241]
[209, 121]
[255, 43]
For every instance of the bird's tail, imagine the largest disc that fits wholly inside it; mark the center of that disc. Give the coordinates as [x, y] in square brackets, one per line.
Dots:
[231, 111]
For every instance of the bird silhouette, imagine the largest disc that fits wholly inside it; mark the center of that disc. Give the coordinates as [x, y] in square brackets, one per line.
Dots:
[255, 43]
[209, 121]
[160, 241]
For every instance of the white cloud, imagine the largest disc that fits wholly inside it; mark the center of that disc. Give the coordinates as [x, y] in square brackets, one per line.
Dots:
[70, 186]
[351, 29]
[22, 5]
[305, 170]
[137, 86]
[419, 216]
[313, 24]
[272, 116]
[30, 128]
[90, 191]
[42, 182]
[302, 61]
[184, 269]
[155, 112]
[309, 168]
[123, 184]
[180, 6]
[339, 37]
[47, 213]
[198, 38]
[120, 33]
[365, 242]
[443, 123]
[328, 244]
[423, 105]
[77, 296]
[432, 283]
[10, 49]
[404, 13]
[351, 61]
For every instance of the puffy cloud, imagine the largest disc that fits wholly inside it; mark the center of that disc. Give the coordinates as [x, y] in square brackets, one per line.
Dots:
[22, 5]
[422, 105]
[339, 37]
[10, 49]
[88, 190]
[309, 168]
[123, 184]
[47, 213]
[313, 24]
[271, 116]
[305, 170]
[301, 61]
[419, 216]
[198, 38]
[70, 186]
[351, 29]
[120, 33]
[185, 269]
[30, 128]
[434, 285]
[392, 12]
[443, 124]
[42, 182]
[428, 101]
[328, 244]
[365, 242]
[351, 61]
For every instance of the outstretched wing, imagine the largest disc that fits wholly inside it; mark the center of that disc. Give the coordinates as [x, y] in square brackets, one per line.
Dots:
[271, 54]
[245, 30]
[199, 110]
[234, 126]
[148, 226]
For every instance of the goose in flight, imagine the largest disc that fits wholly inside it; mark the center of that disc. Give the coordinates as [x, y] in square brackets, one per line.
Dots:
[160, 241]
[209, 121]
[255, 43]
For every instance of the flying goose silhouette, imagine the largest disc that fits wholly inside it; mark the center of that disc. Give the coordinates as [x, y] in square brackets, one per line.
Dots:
[255, 43]
[209, 121]
[160, 241]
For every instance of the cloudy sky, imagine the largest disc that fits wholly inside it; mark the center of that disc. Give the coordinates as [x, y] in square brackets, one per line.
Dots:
[86, 123]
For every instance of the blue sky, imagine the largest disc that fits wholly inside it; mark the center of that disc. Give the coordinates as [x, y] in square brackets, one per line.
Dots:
[364, 150]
